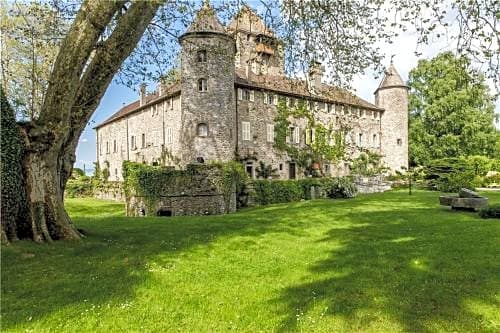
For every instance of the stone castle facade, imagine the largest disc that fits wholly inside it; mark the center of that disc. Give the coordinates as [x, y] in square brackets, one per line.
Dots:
[224, 104]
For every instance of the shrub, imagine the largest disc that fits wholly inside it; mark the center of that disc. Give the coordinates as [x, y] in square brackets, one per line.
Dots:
[493, 211]
[277, 191]
[449, 175]
[342, 187]
[493, 179]
[81, 187]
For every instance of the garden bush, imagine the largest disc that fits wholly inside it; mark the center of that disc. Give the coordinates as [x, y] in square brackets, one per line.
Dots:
[493, 211]
[279, 191]
[341, 187]
[79, 187]
[449, 175]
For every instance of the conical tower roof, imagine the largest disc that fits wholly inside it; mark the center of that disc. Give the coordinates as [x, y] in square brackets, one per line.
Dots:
[391, 79]
[206, 21]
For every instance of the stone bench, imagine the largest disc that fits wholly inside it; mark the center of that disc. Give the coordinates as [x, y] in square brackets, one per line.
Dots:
[466, 199]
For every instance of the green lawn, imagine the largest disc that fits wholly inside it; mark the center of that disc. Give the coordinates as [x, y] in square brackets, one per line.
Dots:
[377, 263]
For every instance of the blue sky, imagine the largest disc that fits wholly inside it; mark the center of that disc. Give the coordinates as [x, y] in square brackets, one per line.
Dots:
[364, 85]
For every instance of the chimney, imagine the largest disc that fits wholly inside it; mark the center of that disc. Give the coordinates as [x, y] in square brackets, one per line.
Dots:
[315, 74]
[142, 94]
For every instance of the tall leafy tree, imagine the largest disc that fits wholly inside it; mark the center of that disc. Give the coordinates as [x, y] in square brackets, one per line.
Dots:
[452, 111]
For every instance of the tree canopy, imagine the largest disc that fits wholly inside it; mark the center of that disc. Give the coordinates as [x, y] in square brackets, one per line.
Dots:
[451, 110]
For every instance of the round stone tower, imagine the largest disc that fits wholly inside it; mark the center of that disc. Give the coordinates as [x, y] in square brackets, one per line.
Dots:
[392, 95]
[207, 90]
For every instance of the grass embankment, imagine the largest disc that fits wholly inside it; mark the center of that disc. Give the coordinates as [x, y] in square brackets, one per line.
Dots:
[377, 263]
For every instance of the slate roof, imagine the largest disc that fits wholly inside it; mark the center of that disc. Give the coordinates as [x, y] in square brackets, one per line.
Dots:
[133, 107]
[206, 21]
[391, 79]
[299, 88]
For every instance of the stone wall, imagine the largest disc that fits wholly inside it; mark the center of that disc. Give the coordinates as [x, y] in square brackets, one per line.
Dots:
[394, 126]
[260, 114]
[197, 190]
[213, 107]
[160, 124]
[375, 184]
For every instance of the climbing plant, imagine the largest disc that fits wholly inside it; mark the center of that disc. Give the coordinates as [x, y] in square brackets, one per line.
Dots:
[322, 144]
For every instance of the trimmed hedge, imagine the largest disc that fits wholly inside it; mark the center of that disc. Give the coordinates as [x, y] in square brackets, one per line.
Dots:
[492, 211]
[280, 191]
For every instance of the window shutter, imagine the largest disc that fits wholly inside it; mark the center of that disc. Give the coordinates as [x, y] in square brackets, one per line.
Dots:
[275, 100]
[308, 136]
[240, 94]
[252, 96]
[313, 135]
[265, 98]
[326, 107]
[297, 134]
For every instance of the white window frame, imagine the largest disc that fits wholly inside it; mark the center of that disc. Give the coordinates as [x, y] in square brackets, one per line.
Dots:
[270, 132]
[245, 131]
[169, 135]
[252, 96]
[296, 134]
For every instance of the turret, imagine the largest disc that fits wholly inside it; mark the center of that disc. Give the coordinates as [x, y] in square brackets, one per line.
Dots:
[392, 96]
[208, 104]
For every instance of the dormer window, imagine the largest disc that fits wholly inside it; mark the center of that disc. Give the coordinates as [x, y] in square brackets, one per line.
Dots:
[202, 85]
[202, 130]
[202, 56]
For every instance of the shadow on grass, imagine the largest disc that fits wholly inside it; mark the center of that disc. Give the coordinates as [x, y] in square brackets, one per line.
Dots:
[105, 268]
[420, 268]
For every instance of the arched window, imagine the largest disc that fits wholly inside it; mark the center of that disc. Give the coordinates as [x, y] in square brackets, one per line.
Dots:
[201, 56]
[202, 129]
[202, 85]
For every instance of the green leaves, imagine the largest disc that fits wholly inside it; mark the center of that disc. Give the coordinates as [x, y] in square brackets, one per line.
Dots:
[451, 110]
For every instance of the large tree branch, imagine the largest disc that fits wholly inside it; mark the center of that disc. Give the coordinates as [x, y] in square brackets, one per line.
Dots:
[75, 50]
[101, 70]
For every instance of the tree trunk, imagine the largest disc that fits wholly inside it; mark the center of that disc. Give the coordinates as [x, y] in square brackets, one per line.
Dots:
[47, 217]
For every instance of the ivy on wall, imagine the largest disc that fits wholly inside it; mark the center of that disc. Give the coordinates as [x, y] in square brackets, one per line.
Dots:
[153, 182]
[325, 145]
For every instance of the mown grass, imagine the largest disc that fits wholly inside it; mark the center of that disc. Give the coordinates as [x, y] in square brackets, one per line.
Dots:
[377, 263]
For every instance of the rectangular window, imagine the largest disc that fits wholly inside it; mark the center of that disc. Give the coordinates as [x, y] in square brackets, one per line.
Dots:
[115, 149]
[275, 100]
[245, 130]
[360, 139]
[143, 140]
[107, 147]
[132, 142]
[265, 98]
[252, 96]
[270, 98]
[296, 135]
[172, 103]
[240, 94]
[270, 132]
[169, 135]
